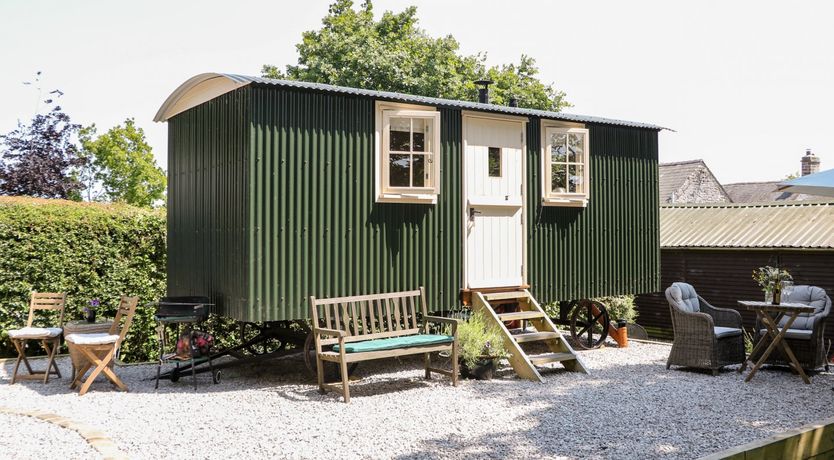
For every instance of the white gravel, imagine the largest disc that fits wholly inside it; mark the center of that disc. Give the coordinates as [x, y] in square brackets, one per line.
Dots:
[629, 407]
[25, 437]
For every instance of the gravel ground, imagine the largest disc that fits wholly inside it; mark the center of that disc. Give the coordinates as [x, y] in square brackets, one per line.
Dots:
[629, 407]
[26, 437]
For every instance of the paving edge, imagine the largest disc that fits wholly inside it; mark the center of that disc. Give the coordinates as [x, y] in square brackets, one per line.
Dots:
[95, 438]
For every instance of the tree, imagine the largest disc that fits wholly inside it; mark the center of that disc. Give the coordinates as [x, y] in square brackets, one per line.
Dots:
[40, 159]
[122, 166]
[393, 54]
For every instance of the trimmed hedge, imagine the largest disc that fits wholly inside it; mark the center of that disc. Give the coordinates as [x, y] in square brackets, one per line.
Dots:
[87, 250]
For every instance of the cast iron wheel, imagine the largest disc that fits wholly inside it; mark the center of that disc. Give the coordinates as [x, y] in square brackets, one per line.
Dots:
[265, 337]
[215, 378]
[589, 324]
[331, 370]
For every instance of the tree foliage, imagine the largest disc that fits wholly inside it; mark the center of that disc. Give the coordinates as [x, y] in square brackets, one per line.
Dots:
[40, 159]
[394, 54]
[122, 162]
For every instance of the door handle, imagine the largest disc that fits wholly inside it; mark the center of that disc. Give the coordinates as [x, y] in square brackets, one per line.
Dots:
[472, 213]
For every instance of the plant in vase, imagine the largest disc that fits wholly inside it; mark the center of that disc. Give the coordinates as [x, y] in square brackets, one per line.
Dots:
[90, 311]
[480, 347]
[770, 280]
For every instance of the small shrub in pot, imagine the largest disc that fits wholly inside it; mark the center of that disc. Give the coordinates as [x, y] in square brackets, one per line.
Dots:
[480, 346]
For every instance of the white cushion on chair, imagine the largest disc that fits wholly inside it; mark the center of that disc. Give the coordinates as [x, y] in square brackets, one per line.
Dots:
[97, 338]
[35, 332]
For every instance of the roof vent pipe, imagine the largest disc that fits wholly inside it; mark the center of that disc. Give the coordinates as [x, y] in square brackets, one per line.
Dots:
[483, 92]
[513, 101]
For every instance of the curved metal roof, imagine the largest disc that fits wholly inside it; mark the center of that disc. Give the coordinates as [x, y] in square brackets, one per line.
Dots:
[204, 87]
[800, 225]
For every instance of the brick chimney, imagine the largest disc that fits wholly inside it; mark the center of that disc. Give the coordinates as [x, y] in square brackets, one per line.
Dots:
[810, 163]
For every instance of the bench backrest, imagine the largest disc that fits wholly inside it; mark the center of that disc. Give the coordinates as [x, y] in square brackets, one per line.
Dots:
[374, 316]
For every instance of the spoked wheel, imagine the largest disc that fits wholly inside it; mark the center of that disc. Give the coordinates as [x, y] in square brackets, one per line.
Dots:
[589, 324]
[268, 337]
[331, 370]
[636, 331]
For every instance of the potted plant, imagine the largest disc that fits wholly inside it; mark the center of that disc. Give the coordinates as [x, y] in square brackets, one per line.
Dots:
[480, 346]
[770, 280]
[90, 311]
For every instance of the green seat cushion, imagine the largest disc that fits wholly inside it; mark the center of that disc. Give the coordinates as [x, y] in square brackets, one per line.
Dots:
[393, 343]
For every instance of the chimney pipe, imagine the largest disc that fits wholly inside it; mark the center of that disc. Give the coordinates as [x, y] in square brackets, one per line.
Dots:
[483, 92]
[810, 163]
[513, 101]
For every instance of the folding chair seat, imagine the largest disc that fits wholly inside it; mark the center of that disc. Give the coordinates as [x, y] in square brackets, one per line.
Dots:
[49, 337]
[99, 349]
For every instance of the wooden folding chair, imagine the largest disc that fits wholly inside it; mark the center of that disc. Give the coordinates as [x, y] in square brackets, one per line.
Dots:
[99, 349]
[50, 337]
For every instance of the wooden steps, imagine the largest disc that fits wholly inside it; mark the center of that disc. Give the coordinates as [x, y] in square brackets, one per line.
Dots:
[545, 332]
[518, 315]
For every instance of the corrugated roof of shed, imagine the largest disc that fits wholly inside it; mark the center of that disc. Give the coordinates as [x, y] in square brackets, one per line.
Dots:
[783, 225]
[171, 107]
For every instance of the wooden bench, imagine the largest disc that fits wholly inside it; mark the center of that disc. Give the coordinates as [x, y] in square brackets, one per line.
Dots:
[365, 327]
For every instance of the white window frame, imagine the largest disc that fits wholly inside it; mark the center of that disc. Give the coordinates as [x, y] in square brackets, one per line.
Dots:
[550, 198]
[384, 192]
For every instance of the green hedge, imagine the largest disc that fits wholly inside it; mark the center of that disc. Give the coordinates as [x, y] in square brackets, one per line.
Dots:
[86, 250]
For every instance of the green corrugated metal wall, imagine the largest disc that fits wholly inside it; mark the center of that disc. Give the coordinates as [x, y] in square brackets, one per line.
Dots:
[207, 219]
[610, 247]
[316, 228]
[271, 200]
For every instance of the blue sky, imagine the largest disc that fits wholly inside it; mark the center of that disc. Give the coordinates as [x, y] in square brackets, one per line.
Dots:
[746, 85]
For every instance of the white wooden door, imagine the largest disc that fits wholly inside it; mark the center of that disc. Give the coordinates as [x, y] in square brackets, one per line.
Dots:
[494, 199]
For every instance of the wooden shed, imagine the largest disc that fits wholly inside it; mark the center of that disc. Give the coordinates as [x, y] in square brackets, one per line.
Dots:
[716, 248]
[279, 190]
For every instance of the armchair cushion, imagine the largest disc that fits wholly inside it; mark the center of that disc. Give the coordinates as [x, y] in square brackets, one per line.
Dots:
[809, 295]
[722, 332]
[684, 297]
[802, 334]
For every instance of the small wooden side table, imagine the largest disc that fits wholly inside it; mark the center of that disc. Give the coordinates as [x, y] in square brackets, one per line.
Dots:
[83, 327]
[763, 312]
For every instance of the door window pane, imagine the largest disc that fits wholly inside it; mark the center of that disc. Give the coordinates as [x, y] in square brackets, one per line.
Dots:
[400, 135]
[576, 148]
[494, 163]
[558, 179]
[398, 170]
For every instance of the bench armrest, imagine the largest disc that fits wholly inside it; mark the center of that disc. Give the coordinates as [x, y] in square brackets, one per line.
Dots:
[329, 332]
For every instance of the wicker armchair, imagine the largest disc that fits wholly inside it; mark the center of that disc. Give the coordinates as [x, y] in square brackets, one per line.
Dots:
[706, 337]
[806, 337]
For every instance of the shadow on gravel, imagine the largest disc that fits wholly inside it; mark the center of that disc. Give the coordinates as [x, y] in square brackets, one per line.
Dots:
[638, 411]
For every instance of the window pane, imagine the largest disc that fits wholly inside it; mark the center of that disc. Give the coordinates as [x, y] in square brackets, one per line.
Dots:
[576, 179]
[576, 148]
[420, 132]
[557, 148]
[494, 165]
[418, 171]
[398, 170]
[400, 134]
[558, 182]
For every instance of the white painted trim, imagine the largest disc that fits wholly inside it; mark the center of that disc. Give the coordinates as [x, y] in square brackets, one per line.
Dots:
[466, 115]
[564, 199]
[422, 195]
[195, 91]
[482, 201]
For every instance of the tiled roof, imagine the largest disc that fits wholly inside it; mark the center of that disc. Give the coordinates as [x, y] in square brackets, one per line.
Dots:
[762, 192]
[673, 177]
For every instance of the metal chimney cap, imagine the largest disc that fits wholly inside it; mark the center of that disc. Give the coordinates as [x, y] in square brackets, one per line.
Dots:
[485, 83]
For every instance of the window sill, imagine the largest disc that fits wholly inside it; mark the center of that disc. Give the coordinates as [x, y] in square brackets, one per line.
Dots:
[413, 198]
[573, 202]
